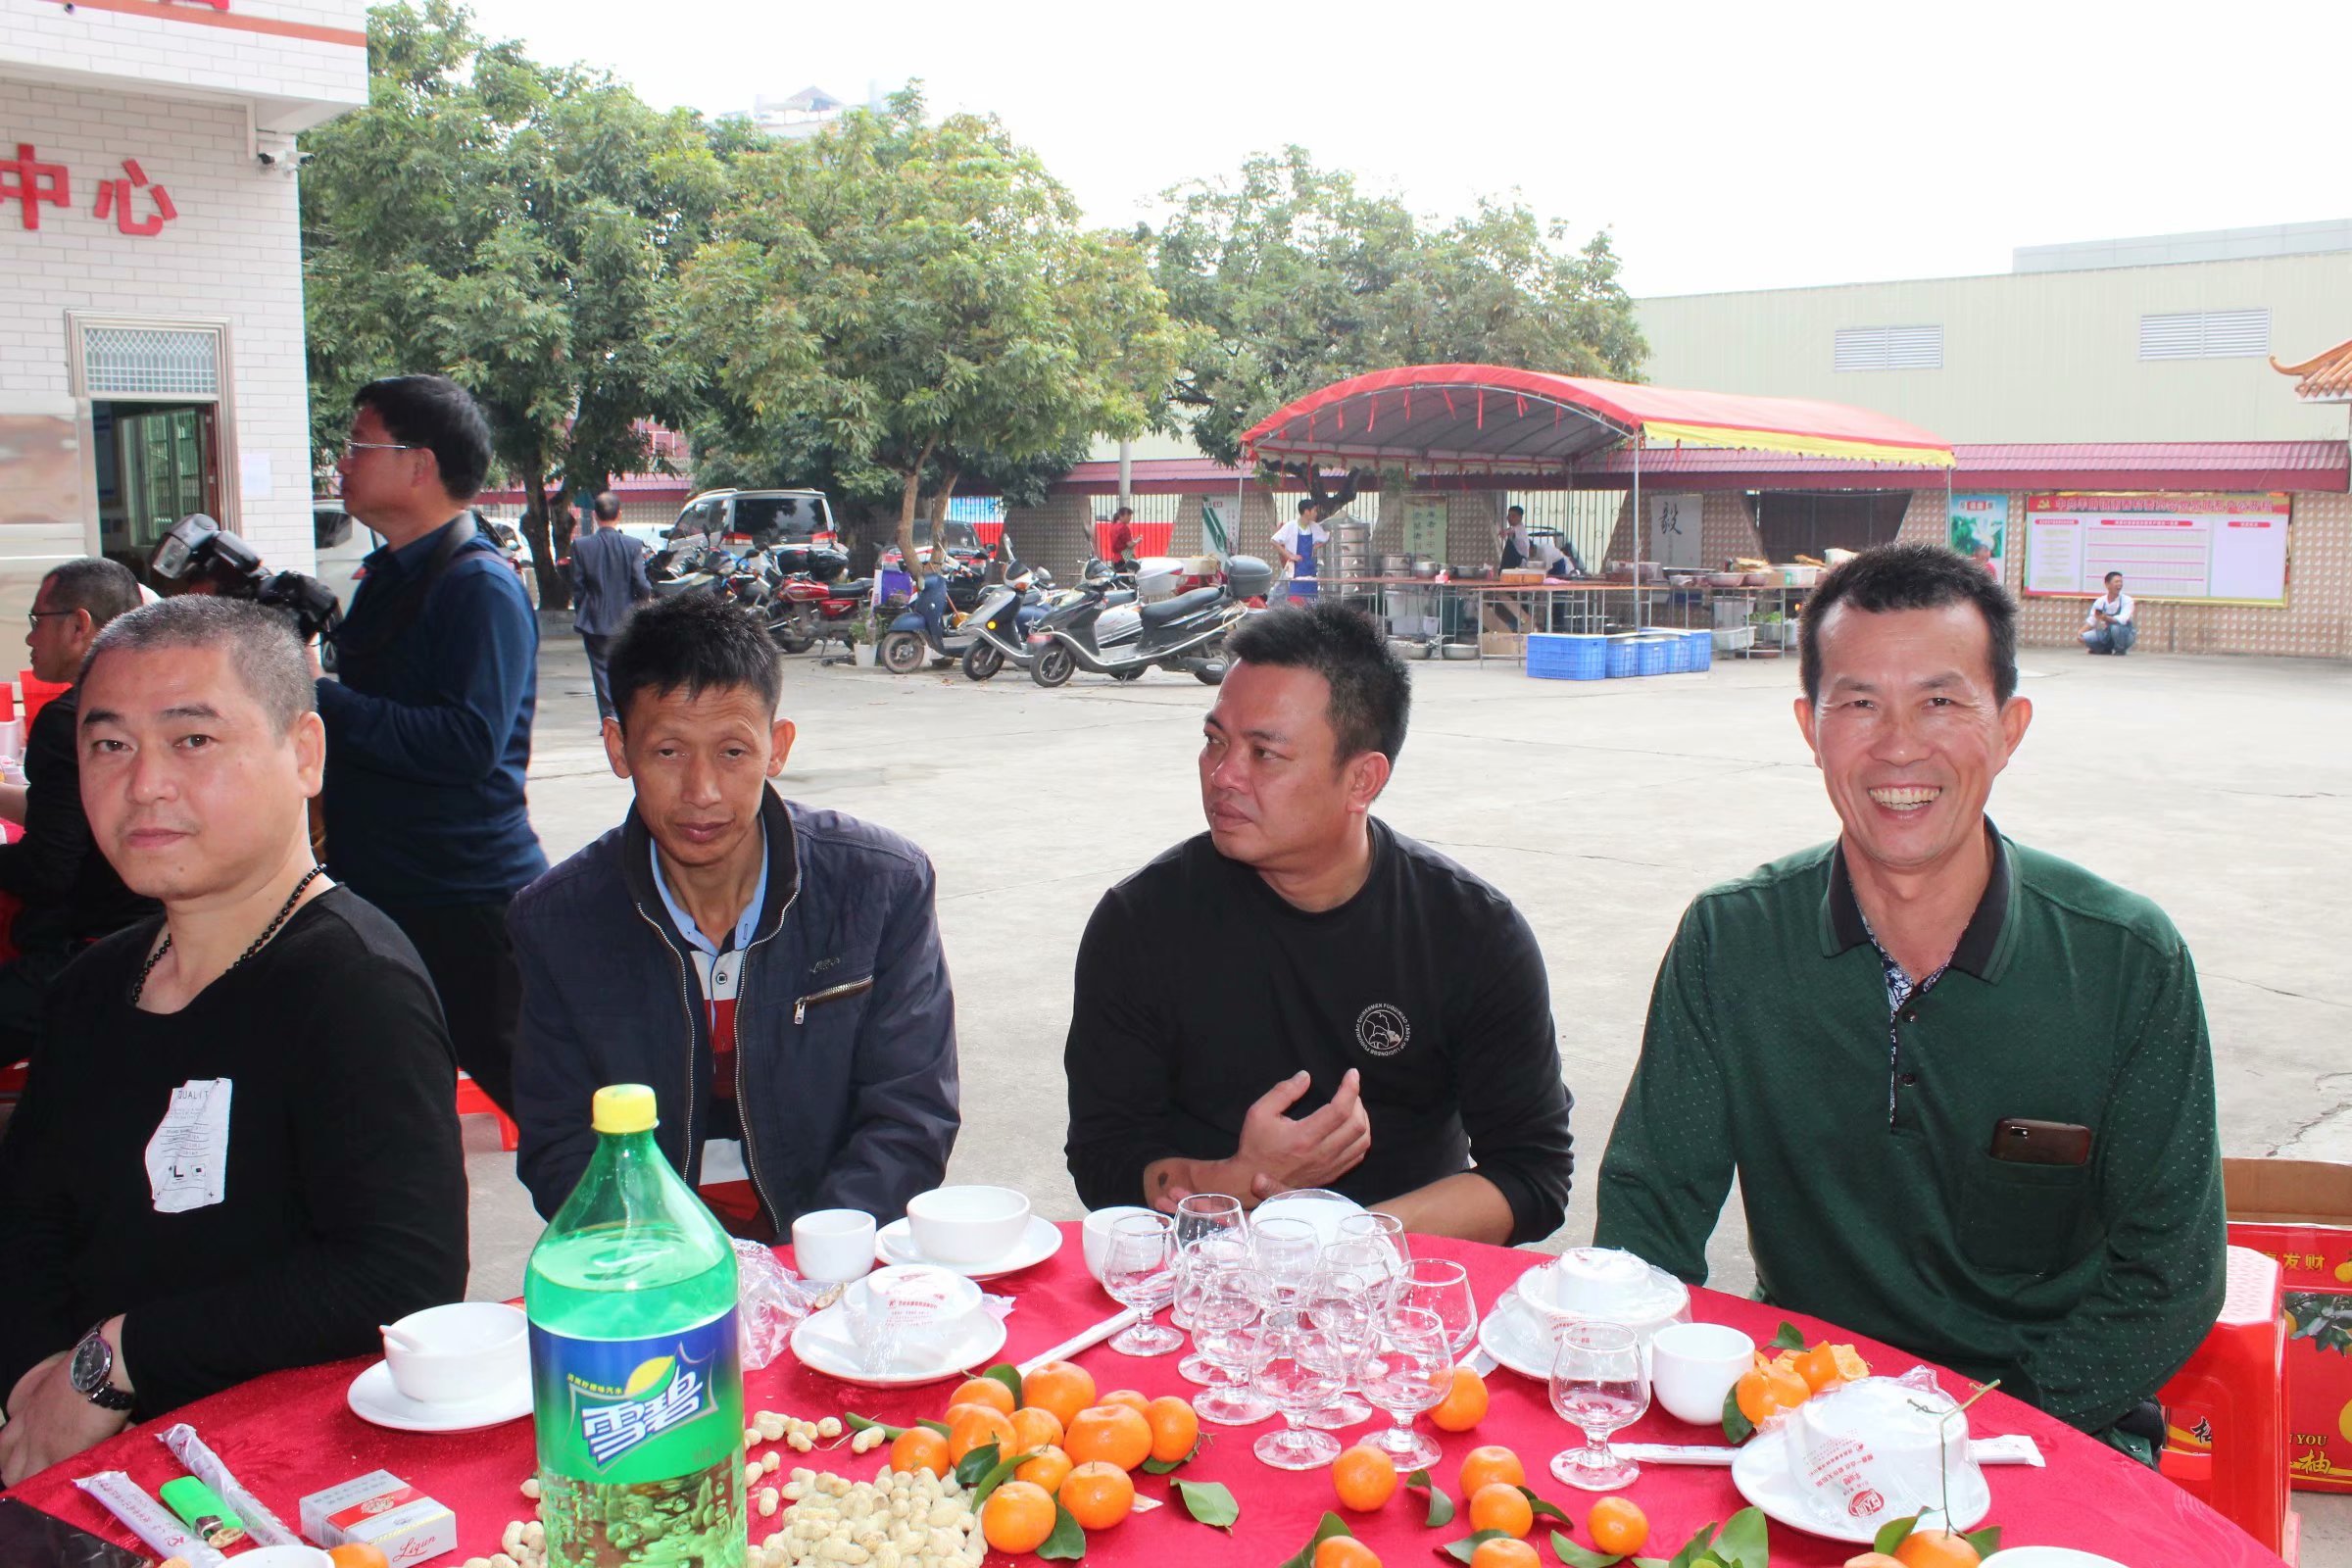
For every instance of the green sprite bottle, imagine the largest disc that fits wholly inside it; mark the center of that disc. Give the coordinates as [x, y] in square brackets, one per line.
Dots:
[636, 1374]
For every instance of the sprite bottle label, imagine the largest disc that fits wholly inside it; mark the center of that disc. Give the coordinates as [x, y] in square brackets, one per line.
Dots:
[624, 1411]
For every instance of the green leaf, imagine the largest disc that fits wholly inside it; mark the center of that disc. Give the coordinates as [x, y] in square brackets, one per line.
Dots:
[1464, 1549]
[1576, 1556]
[1737, 1426]
[1006, 1373]
[1441, 1506]
[1209, 1502]
[975, 1464]
[1745, 1542]
[1788, 1338]
[1648, 1562]
[1161, 1467]
[858, 1423]
[940, 1427]
[1546, 1510]
[997, 1473]
[1987, 1540]
[1893, 1534]
[1694, 1548]
[1332, 1525]
[1068, 1542]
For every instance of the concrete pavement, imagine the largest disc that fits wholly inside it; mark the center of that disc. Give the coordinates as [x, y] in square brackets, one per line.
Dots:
[2222, 788]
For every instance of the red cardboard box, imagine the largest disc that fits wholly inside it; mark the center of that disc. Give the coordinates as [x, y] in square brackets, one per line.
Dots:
[2299, 1212]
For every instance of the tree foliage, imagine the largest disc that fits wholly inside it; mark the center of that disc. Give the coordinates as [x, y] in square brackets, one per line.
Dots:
[516, 226]
[1298, 279]
[899, 305]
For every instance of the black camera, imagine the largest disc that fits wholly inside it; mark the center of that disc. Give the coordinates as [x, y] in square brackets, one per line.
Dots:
[202, 557]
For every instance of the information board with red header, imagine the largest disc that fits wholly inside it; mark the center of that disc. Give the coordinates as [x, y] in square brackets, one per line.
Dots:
[2222, 547]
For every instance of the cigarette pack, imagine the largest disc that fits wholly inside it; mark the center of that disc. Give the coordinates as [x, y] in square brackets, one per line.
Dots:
[382, 1512]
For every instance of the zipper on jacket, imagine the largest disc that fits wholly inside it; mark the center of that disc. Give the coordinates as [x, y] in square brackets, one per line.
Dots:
[751, 1153]
[692, 1147]
[799, 1008]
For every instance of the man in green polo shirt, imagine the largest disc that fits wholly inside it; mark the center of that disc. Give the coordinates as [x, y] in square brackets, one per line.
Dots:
[1965, 1085]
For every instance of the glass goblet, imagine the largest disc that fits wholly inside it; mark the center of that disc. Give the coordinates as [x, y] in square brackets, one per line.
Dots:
[1598, 1384]
[1301, 1370]
[1410, 1371]
[1228, 1325]
[1287, 1254]
[1344, 1304]
[1198, 1217]
[1441, 1286]
[1196, 1264]
[1139, 1270]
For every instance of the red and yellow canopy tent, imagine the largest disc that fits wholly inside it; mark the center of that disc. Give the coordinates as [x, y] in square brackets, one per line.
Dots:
[1428, 419]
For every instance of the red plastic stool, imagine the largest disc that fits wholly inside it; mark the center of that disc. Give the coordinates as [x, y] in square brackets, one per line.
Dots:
[2232, 1396]
[472, 1102]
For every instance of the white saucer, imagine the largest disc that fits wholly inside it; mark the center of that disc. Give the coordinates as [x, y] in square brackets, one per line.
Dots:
[372, 1397]
[894, 1242]
[1760, 1470]
[2048, 1557]
[822, 1344]
[1516, 1338]
[1323, 1211]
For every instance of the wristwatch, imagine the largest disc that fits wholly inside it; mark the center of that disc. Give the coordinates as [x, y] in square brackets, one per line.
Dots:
[92, 1370]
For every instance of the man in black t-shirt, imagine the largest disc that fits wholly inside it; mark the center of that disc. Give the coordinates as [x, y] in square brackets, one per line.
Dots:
[237, 1150]
[1303, 955]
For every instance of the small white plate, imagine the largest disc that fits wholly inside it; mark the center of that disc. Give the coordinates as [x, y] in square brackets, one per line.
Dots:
[894, 1242]
[2048, 1557]
[372, 1397]
[1760, 1470]
[822, 1344]
[1516, 1338]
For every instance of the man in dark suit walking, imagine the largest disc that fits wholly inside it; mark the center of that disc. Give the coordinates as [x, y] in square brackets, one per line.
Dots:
[607, 581]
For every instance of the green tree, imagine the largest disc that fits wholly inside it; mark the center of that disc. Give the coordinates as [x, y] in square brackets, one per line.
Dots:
[516, 226]
[898, 305]
[1297, 279]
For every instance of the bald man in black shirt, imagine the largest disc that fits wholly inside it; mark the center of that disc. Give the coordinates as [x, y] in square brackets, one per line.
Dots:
[1391, 999]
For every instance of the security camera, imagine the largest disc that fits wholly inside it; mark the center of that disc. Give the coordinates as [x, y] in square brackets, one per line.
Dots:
[267, 160]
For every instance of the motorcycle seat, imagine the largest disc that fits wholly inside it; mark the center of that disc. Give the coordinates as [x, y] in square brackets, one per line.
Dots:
[859, 588]
[1183, 604]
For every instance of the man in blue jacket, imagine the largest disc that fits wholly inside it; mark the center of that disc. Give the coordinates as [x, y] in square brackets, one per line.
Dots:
[607, 581]
[429, 727]
[773, 970]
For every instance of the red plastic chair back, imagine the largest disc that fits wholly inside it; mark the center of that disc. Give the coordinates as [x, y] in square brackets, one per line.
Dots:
[2228, 1408]
[472, 1102]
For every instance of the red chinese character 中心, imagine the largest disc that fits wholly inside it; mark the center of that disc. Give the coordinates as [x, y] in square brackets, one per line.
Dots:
[31, 182]
[113, 196]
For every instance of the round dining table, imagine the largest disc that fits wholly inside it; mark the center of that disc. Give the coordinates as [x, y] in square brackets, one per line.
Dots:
[292, 1434]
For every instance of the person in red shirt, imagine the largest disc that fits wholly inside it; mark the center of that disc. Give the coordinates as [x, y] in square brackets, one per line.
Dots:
[1122, 538]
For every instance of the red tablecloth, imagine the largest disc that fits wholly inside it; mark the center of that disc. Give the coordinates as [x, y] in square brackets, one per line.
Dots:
[292, 1434]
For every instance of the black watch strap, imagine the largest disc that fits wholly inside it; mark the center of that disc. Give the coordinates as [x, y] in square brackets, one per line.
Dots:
[91, 1372]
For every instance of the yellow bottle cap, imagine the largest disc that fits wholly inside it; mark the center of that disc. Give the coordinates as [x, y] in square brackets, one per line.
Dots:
[623, 1109]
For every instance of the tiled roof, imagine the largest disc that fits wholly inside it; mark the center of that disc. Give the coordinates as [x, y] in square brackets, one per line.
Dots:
[2326, 377]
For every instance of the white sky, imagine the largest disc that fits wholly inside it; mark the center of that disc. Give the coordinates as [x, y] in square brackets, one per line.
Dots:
[1734, 146]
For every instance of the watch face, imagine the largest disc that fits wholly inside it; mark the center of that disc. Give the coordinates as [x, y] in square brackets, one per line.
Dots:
[91, 1363]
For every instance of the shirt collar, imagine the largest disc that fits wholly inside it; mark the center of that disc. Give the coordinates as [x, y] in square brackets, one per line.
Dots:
[745, 925]
[413, 556]
[1980, 950]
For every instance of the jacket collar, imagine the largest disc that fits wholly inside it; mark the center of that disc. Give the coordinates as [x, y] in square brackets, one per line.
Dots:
[1982, 951]
[783, 867]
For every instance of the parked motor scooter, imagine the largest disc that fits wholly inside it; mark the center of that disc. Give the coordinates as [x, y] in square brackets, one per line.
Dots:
[1186, 632]
[923, 624]
[1004, 638]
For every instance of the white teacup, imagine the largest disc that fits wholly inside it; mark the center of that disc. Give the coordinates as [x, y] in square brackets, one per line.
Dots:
[466, 1350]
[1093, 1236]
[832, 1245]
[1694, 1365]
[967, 1225]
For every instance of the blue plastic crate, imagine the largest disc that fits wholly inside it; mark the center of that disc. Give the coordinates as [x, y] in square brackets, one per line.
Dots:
[1702, 649]
[1681, 654]
[1550, 657]
[1654, 656]
[1624, 656]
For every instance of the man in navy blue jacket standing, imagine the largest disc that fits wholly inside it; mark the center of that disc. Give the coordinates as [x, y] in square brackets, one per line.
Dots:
[607, 581]
[429, 726]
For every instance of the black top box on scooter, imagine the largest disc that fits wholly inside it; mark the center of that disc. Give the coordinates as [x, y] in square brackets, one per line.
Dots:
[1248, 576]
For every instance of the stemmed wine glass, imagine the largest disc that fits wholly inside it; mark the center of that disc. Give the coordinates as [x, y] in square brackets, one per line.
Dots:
[1198, 1217]
[1301, 1368]
[1598, 1384]
[1228, 1327]
[1411, 1370]
[1442, 1286]
[1139, 1270]
[1346, 1304]
[1196, 1264]
[1387, 1229]
[1287, 1254]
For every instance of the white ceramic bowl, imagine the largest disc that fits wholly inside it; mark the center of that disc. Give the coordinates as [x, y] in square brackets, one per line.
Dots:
[1606, 1285]
[471, 1349]
[1878, 1448]
[967, 1224]
[1093, 1236]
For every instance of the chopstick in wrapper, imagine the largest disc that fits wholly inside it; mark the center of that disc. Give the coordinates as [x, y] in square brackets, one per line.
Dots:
[205, 1465]
[1080, 1341]
[148, 1519]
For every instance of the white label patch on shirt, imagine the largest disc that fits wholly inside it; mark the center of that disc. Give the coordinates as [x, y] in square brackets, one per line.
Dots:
[187, 1158]
[1381, 1030]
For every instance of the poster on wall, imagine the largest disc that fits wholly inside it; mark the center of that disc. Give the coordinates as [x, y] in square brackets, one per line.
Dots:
[1980, 531]
[1674, 531]
[1219, 515]
[1425, 526]
[2218, 548]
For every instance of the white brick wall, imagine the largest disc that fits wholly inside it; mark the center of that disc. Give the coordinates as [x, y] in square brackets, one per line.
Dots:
[233, 252]
[293, 82]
